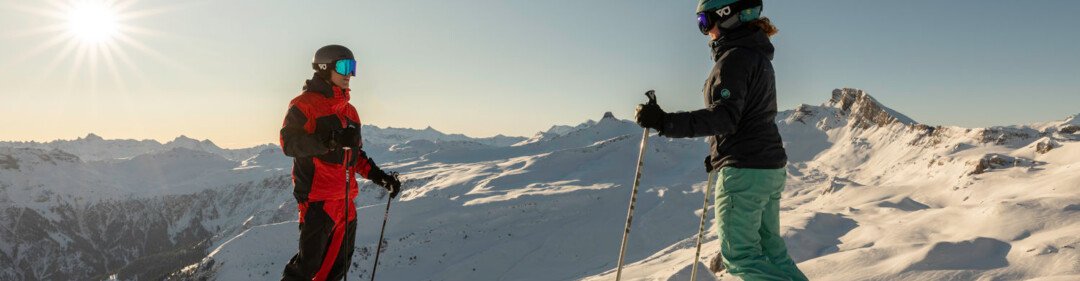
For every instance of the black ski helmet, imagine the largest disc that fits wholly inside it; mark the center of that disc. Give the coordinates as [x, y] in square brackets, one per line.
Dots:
[728, 14]
[325, 57]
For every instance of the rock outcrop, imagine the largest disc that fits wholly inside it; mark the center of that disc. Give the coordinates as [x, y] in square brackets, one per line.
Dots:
[864, 110]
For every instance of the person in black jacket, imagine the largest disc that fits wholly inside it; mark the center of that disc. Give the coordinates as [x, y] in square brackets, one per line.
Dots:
[746, 152]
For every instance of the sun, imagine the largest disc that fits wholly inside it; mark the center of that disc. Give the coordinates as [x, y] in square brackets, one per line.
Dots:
[86, 37]
[93, 22]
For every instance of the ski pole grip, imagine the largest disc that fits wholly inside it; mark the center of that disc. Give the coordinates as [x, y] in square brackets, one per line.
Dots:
[651, 94]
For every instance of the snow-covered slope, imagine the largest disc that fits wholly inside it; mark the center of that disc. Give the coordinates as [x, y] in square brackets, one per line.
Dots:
[872, 195]
[65, 219]
[510, 213]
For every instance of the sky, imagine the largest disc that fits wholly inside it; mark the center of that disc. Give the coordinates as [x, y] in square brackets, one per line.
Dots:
[226, 70]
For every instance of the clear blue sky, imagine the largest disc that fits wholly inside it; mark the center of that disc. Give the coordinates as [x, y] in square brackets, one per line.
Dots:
[225, 70]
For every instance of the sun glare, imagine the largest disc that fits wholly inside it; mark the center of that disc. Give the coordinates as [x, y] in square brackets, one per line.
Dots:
[89, 36]
[92, 21]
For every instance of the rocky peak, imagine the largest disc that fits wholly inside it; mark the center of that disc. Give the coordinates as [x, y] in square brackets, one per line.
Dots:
[93, 137]
[1074, 119]
[183, 139]
[192, 144]
[864, 110]
[802, 112]
[608, 115]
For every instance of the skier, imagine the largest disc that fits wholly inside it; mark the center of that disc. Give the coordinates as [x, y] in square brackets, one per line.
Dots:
[747, 154]
[318, 127]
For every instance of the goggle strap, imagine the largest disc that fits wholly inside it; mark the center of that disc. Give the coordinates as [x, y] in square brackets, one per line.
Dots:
[738, 7]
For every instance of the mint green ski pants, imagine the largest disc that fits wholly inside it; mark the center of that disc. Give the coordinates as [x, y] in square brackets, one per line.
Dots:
[747, 205]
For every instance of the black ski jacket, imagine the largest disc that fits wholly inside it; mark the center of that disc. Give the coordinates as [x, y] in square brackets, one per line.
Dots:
[740, 105]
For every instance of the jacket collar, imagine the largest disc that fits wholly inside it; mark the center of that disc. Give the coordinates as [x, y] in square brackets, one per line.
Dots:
[747, 36]
[322, 86]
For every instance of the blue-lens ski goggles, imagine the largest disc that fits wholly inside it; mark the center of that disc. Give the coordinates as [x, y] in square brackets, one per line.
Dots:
[706, 21]
[345, 67]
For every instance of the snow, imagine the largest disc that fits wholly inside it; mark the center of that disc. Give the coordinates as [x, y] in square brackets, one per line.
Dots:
[247, 253]
[896, 203]
[890, 201]
[871, 195]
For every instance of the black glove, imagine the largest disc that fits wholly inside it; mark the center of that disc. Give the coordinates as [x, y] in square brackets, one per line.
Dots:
[649, 115]
[708, 164]
[388, 181]
[344, 137]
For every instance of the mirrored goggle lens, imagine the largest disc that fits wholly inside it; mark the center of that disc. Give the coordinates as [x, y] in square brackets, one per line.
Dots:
[704, 22]
[346, 67]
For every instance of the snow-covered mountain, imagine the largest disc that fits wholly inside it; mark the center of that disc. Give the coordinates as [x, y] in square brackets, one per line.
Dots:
[391, 135]
[68, 219]
[872, 194]
[95, 148]
[88, 208]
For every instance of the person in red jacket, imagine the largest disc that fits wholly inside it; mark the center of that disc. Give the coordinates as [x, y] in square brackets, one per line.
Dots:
[319, 129]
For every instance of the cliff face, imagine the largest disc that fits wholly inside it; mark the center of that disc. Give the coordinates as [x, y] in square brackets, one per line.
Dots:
[864, 110]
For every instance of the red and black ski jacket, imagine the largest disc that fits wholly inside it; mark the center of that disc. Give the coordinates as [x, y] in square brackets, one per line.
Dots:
[318, 173]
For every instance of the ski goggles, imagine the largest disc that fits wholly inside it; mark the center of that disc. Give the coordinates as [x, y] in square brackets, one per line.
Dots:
[345, 67]
[706, 21]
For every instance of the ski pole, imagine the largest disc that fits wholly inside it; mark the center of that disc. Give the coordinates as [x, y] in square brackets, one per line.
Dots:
[633, 192]
[345, 219]
[386, 216]
[701, 227]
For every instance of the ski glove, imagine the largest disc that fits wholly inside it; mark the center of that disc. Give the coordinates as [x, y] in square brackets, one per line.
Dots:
[708, 164]
[649, 115]
[344, 137]
[388, 181]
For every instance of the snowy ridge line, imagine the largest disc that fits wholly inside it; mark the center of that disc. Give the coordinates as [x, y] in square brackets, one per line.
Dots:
[95, 148]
